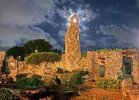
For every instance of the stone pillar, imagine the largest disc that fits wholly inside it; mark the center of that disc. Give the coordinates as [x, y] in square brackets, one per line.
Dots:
[12, 63]
[2, 59]
[72, 45]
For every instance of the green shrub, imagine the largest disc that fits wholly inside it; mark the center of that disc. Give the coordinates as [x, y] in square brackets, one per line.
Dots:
[74, 78]
[20, 76]
[6, 94]
[69, 81]
[36, 58]
[104, 83]
[77, 78]
[30, 83]
[107, 49]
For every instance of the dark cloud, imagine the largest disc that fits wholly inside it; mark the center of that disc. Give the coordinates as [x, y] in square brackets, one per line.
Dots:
[18, 19]
[125, 36]
[137, 3]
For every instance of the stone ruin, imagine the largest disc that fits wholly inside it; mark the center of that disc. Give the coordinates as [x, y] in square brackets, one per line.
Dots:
[2, 60]
[113, 64]
[21, 67]
[101, 64]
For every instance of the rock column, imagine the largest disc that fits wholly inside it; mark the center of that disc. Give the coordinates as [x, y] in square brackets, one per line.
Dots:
[72, 45]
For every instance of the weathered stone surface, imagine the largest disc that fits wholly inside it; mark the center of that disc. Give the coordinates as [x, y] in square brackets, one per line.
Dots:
[2, 59]
[72, 45]
[126, 86]
[130, 90]
[134, 95]
[113, 63]
[127, 82]
[21, 67]
[2, 55]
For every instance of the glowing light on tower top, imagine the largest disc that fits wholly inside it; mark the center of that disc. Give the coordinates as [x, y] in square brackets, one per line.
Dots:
[74, 19]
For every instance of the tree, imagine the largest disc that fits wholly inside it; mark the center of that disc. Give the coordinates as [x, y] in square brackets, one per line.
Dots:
[57, 51]
[16, 52]
[38, 44]
[29, 47]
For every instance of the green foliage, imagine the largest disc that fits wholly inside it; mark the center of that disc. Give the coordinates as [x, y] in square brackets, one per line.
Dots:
[20, 76]
[38, 44]
[115, 49]
[57, 51]
[70, 81]
[41, 45]
[75, 78]
[107, 49]
[104, 83]
[30, 83]
[16, 52]
[6, 94]
[36, 58]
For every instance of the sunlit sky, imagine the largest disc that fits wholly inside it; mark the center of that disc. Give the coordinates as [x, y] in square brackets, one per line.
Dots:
[103, 23]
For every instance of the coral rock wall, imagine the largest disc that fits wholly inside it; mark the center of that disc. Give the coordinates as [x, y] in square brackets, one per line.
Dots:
[113, 63]
[2, 58]
[21, 67]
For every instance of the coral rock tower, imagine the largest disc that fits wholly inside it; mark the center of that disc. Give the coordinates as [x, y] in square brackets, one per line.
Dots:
[72, 45]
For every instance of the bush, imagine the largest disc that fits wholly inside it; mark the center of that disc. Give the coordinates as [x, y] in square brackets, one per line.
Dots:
[73, 79]
[107, 49]
[30, 83]
[104, 83]
[20, 76]
[77, 78]
[6, 94]
[36, 58]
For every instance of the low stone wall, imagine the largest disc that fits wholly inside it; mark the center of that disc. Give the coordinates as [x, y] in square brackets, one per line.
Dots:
[21, 67]
[42, 69]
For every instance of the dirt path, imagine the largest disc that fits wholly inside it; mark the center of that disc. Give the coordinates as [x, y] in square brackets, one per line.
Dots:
[100, 94]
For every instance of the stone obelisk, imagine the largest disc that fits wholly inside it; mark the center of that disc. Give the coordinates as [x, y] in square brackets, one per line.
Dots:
[72, 45]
